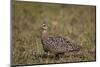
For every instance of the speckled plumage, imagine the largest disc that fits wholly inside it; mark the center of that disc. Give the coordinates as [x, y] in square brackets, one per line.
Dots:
[57, 44]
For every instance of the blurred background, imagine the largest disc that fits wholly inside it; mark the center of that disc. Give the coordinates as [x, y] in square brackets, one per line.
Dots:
[76, 22]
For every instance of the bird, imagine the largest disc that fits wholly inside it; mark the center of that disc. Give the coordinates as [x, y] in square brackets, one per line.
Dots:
[56, 44]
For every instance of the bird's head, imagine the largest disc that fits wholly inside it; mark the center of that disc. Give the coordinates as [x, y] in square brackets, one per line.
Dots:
[44, 27]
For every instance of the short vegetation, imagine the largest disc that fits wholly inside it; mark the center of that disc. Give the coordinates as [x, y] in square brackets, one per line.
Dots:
[75, 22]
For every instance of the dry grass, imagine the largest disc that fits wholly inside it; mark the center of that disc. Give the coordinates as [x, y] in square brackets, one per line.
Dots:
[73, 21]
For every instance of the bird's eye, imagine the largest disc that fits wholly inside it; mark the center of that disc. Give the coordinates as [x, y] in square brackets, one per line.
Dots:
[44, 25]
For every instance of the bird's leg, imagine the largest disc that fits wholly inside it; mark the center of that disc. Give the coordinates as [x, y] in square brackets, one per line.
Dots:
[56, 56]
[48, 53]
[61, 55]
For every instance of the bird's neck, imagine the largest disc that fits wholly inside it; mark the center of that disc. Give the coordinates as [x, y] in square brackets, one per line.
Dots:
[44, 34]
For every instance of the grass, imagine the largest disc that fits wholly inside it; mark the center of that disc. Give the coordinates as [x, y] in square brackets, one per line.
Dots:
[70, 21]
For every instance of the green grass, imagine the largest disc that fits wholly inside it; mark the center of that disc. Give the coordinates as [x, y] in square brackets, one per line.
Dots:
[72, 21]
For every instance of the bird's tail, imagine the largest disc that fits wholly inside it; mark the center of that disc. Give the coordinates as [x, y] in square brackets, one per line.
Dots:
[74, 47]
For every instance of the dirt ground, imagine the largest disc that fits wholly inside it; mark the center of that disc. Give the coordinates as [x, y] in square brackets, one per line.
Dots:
[76, 22]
